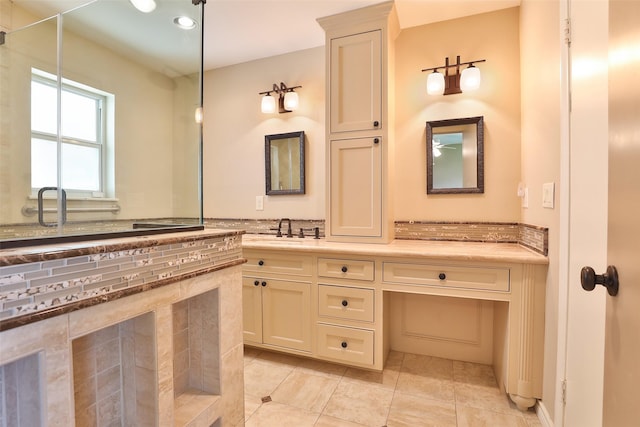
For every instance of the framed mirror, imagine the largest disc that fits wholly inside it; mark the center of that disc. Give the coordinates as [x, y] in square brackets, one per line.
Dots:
[455, 156]
[284, 163]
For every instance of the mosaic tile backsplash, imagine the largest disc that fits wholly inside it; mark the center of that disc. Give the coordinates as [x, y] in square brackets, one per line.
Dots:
[30, 287]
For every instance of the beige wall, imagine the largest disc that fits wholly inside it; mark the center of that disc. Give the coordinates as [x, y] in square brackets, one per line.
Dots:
[234, 142]
[234, 130]
[491, 36]
[541, 44]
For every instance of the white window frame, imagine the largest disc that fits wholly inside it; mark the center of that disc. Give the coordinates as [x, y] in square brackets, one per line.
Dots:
[102, 99]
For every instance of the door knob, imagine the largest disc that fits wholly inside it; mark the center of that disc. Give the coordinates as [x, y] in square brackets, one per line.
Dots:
[589, 279]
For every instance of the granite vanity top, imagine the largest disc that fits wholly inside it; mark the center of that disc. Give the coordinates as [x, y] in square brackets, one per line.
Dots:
[438, 250]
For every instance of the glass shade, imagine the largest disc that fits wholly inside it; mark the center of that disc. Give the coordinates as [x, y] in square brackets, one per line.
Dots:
[199, 115]
[470, 79]
[291, 101]
[435, 83]
[268, 105]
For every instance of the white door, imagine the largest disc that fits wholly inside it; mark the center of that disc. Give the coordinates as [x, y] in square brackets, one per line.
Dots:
[582, 364]
[602, 379]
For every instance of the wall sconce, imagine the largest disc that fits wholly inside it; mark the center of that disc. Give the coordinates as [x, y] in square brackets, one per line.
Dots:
[467, 81]
[287, 99]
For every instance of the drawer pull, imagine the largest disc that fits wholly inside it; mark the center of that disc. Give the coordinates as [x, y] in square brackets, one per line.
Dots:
[344, 344]
[261, 262]
[264, 283]
[256, 283]
[345, 303]
[344, 269]
[442, 276]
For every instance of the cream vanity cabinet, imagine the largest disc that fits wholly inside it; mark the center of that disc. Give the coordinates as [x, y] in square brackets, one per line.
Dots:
[346, 305]
[359, 90]
[276, 300]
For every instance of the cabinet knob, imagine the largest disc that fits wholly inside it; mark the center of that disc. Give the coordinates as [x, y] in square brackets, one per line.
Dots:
[261, 262]
[442, 276]
[376, 140]
[264, 283]
[376, 123]
[344, 269]
[256, 283]
[344, 344]
[345, 303]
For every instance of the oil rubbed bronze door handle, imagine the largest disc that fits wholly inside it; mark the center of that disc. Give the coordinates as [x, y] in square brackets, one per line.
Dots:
[589, 279]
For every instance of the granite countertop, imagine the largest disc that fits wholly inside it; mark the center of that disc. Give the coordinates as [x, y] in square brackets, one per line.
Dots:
[40, 253]
[439, 250]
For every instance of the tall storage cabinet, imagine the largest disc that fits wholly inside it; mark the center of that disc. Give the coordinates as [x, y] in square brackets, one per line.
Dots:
[360, 123]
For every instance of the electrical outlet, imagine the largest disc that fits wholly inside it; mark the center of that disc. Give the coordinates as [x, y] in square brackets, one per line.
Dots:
[525, 198]
[548, 195]
[259, 203]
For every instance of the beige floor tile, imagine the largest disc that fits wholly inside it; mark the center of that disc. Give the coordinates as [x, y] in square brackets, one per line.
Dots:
[360, 403]
[474, 373]
[388, 378]
[474, 417]
[306, 391]
[274, 414]
[321, 368]
[414, 411]
[251, 404]
[261, 379]
[428, 366]
[426, 386]
[326, 421]
[490, 398]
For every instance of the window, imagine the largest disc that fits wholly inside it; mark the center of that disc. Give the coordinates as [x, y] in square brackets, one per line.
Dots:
[83, 151]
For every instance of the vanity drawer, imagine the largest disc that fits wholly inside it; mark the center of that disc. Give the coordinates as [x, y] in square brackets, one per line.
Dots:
[480, 278]
[278, 264]
[345, 269]
[345, 303]
[345, 344]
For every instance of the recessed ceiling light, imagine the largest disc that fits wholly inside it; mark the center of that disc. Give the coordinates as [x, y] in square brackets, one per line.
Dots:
[145, 6]
[184, 22]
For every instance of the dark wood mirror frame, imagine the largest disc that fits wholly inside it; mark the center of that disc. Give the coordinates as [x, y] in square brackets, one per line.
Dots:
[297, 187]
[456, 123]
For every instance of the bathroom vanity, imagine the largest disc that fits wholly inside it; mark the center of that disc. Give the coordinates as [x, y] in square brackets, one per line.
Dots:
[132, 331]
[332, 300]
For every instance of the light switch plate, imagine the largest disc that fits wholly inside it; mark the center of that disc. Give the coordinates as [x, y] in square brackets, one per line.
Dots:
[259, 203]
[525, 197]
[548, 195]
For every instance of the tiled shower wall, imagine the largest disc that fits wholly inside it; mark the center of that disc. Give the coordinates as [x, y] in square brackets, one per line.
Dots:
[114, 375]
[20, 402]
[31, 287]
[196, 345]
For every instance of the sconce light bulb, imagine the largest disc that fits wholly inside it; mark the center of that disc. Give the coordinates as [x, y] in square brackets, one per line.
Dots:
[268, 104]
[144, 6]
[199, 115]
[436, 152]
[435, 83]
[470, 79]
[291, 101]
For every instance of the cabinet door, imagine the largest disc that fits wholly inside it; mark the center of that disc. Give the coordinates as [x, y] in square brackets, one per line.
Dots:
[356, 187]
[286, 311]
[356, 82]
[252, 310]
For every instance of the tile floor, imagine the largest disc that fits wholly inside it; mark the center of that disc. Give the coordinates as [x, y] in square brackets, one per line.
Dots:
[412, 391]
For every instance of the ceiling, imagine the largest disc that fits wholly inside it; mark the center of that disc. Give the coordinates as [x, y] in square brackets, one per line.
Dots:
[238, 31]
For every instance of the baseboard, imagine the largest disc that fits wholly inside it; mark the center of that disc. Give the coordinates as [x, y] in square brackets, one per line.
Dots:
[543, 415]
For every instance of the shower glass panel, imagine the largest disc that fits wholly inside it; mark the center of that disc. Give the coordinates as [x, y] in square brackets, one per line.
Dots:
[97, 108]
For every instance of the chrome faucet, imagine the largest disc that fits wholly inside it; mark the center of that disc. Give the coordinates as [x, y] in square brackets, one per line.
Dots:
[289, 232]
